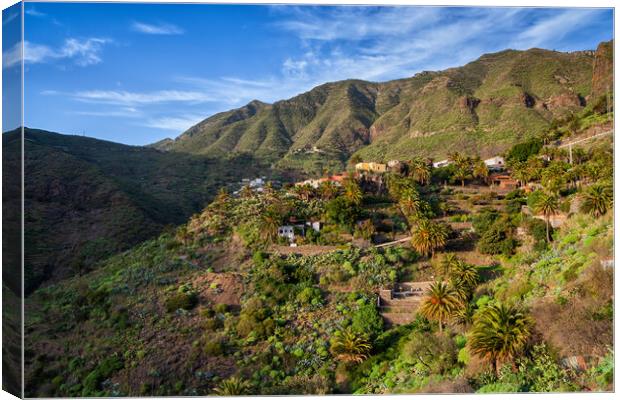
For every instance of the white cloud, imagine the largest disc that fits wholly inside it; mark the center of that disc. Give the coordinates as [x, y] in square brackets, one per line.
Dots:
[554, 28]
[175, 124]
[126, 112]
[156, 29]
[34, 13]
[128, 99]
[81, 52]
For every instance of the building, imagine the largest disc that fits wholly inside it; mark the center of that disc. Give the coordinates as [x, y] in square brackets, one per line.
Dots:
[287, 231]
[315, 225]
[442, 163]
[315, 183]
[371, 167]
[495, 163]
[505, 182]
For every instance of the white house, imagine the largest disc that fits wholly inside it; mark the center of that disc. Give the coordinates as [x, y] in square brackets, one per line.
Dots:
[316, 225]
[287, 231]
[496, 162]
[442, 163]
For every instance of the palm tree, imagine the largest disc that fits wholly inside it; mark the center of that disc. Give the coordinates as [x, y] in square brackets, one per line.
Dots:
[428, 236]
[222, 196]
[270, 222]
[410, 202]
[547, 204]
[352, 191]
[232, 387]
[597, 199]
[480, 170]
[328, 190]
[449, 261]
[499, 333]
[465, 314]
[521, 174]
[467, 274]
[440, 303]
[420, 171]
[350, 347]
[246, 192]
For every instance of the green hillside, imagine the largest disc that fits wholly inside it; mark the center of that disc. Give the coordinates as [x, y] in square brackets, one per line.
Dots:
[484, 106]
[86, 199]
[223, 306]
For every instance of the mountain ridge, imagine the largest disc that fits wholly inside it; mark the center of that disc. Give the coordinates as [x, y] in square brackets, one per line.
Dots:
[487, 96]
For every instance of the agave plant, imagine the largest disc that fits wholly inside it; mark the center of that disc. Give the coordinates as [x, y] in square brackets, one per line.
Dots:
[350, 347]
[232, 387]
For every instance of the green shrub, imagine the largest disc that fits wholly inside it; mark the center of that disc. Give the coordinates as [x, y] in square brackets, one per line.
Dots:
[181, 301]
[220, 308]
[368, 321]
[213, 348]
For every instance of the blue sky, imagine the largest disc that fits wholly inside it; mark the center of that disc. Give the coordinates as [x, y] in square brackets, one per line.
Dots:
[137, 73]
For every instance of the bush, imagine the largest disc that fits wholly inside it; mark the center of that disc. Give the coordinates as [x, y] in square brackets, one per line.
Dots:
[498, 239]
[309, 296]
[93, 380]
[181, 301]
[342, 212]
[520, 152]
[220, 308]
[214, 348]
[368, 321]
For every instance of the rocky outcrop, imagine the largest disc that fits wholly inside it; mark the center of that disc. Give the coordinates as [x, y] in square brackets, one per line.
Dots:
[602, 74]
[564, 100]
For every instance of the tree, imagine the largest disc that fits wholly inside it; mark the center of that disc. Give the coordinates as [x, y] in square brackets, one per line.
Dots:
[428, 236]
[270, 222]
[449, 261]
[465, 274]
[365, 229]
[304, 191]
[350, 347]
[352, 191]
[246, 192]
[480, 170]
[342, 212]
[547, 204]
[499, 333]
[420, 171]
[355, 158]
[222, 196]
[232, 387]
[409, 202]
[440, 302]
[597, 199]
[328, 190]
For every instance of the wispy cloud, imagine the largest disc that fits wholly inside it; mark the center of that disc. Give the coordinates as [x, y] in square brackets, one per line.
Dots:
[125, 112]
[128, 98]
[30, 10]
[174, 124]
[156, 29]
[81, 52]
[555, 28]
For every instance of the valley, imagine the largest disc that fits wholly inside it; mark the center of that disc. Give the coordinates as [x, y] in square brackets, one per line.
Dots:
[360, 238]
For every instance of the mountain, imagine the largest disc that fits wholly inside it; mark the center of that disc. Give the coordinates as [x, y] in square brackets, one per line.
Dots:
[481, 107]
[86, 199]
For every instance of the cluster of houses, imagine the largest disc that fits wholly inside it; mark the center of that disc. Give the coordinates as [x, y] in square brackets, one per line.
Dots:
[315, 183]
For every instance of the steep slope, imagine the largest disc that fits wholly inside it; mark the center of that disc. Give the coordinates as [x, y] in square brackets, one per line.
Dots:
[86, 199]
[483, 106]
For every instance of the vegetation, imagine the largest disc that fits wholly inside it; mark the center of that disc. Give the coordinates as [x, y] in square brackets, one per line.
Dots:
[478, 293]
